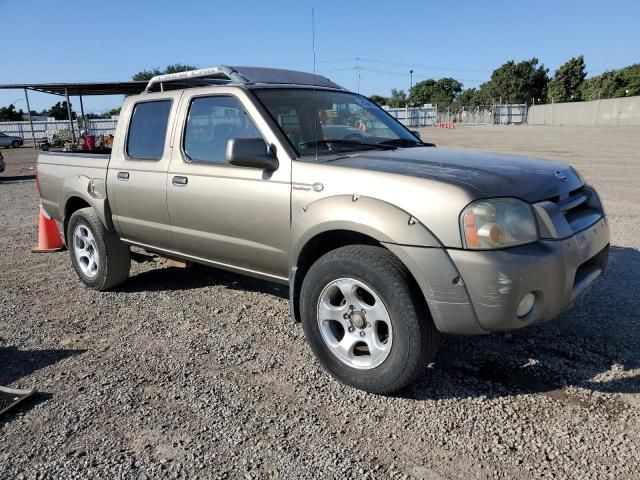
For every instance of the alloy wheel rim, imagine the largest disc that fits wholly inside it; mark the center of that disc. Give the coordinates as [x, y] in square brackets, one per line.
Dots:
[354, 323]
[86, 251]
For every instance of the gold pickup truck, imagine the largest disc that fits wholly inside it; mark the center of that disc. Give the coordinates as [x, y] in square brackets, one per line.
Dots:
[385, 241]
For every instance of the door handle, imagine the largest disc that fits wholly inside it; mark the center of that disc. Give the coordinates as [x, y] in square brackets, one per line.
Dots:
[123, 175]
[179, 181]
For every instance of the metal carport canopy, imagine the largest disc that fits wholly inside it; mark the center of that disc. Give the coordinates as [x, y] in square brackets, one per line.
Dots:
[77, 89]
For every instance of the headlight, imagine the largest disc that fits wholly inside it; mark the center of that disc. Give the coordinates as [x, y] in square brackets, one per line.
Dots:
[498, 223]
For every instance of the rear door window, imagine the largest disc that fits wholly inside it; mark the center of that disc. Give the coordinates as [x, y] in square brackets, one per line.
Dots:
[148, 130]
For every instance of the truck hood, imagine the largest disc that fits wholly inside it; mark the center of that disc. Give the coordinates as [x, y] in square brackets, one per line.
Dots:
[484, 174]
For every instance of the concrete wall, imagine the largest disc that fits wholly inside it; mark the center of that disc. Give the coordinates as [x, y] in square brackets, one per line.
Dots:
[613, 111]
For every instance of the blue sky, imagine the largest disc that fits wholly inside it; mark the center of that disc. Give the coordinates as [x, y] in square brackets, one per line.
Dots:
[102, 41]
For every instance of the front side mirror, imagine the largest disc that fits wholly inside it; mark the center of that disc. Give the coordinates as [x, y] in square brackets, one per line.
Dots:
[250, 152]
[416, 133]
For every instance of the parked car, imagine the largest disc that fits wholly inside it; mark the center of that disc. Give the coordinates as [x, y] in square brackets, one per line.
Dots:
[385, 241]
[10, 140]
[2, 164]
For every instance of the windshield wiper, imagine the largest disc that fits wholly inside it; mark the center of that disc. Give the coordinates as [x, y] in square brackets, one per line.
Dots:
[354, 143]
[404, 142]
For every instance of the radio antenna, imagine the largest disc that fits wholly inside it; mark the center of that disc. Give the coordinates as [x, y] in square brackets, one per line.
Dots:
[315, 80]
[313, 39]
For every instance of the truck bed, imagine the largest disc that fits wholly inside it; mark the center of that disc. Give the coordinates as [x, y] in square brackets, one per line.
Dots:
[58, 169]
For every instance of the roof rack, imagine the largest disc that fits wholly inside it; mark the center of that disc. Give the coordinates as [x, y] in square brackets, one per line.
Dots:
[223, 75]
[219, 74]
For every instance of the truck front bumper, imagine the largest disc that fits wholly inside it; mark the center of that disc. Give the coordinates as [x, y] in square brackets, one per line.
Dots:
[474, 292]
[557, 272]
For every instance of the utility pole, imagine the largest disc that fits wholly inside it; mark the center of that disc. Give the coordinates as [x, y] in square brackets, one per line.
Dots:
[410, 82]
[358, 75]
[33, 133]
[69, 116]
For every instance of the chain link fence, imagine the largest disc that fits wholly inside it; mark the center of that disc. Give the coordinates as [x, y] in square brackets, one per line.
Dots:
[60, 128]
[431, 115]
[415, 116]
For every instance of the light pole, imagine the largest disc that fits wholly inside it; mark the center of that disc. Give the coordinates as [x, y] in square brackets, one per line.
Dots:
[410, 81]
[14, 107]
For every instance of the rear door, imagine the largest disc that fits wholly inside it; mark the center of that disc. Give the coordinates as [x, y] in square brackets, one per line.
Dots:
[137, 178]
[228, 215]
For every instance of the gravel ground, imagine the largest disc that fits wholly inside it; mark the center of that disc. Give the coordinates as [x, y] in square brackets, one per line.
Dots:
[198, 373]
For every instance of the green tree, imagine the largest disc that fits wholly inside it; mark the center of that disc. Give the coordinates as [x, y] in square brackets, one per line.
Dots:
[114, 112]
[173, 68]
[422, 92]
[602, 86]
[442, 92]
[613, 84]
[631, 79]
[469, 97]
[517, 82]
[378, 99]
[566, 82]
[59, 111]
[10, 114]
[397, 99]
[445, 91]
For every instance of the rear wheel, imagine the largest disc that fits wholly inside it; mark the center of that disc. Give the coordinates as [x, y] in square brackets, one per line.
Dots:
[100, 259]
[15, 144]
[365, 319]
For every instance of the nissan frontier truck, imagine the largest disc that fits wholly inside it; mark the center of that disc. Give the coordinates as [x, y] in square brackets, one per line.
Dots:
[386, 242]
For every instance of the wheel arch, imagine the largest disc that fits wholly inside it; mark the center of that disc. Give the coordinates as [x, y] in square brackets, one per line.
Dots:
[75, 202]
[323, 243]
[341, 220]
[72, 205]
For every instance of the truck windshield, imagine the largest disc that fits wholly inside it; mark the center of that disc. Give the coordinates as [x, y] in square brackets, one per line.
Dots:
[326, 122]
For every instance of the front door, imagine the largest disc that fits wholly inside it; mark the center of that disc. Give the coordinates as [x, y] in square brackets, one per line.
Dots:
[232, 216]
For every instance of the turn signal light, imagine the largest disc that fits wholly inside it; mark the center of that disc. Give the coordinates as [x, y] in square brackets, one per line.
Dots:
[471, 229]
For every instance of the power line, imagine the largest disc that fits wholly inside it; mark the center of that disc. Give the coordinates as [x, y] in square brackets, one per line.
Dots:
[359, 60]
[306, 62]
[426, 67]
[342, 69]
[416, 75]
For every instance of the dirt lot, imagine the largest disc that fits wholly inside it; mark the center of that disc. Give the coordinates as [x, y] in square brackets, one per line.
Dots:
[197, 373]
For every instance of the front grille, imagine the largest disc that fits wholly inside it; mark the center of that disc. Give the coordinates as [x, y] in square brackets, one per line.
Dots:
[580, 208]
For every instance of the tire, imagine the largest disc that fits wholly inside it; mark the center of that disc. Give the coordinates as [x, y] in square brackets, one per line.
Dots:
[369, 275]
[100, 259]
[15, 144]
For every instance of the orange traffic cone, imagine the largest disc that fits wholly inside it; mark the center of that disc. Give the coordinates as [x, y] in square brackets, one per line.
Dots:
[48, 236]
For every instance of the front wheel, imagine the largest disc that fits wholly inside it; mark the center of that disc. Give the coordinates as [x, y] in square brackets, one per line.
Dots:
[365, 319]
[100, 259]
[15, 144]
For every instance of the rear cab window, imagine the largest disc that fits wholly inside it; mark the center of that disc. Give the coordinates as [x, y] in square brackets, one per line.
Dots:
[148, 130]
